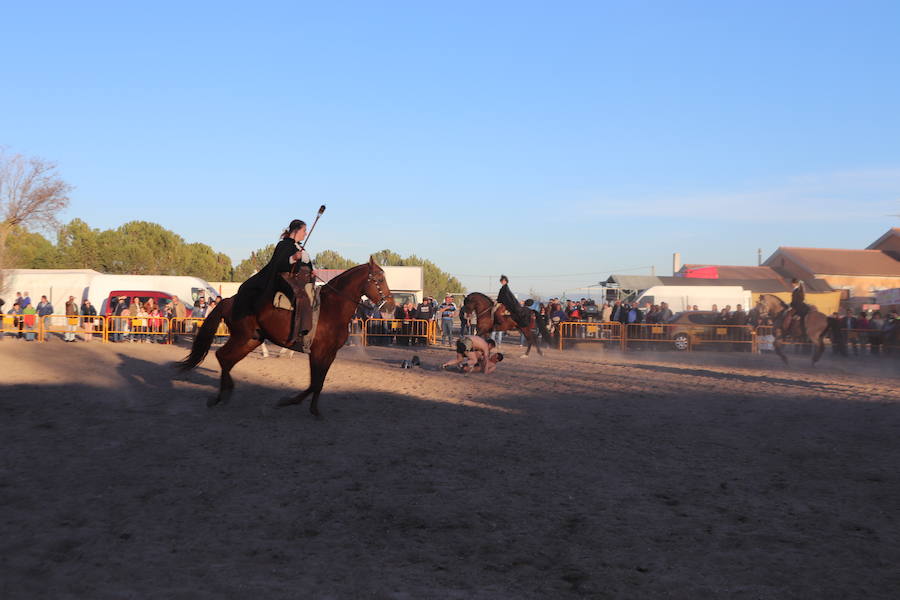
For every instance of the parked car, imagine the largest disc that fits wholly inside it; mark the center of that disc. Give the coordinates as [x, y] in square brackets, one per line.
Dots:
[690, 329]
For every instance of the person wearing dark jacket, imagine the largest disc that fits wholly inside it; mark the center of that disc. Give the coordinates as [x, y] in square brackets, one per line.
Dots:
[519, 314]
[276, 277]
[88, 311]
[798, 299]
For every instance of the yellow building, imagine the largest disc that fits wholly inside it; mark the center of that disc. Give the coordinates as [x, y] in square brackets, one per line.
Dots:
[859, 273]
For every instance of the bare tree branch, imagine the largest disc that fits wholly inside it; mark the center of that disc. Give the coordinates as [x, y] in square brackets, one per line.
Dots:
[31, 191]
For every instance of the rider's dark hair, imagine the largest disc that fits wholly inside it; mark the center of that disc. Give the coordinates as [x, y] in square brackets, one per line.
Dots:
[491, 342]
[503, 278]
[294, 226]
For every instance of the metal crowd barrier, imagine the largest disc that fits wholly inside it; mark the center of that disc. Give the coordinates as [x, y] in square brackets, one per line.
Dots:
[398, 331]
[105, 328]
[687, 336]
[855, 341]
[573, 332]
[80, 326]
[138, 329]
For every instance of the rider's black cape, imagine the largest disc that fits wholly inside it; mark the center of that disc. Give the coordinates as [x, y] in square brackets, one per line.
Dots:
[262, 286]
[520, 314]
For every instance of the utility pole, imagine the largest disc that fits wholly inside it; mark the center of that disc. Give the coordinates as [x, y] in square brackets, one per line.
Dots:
[759, 257]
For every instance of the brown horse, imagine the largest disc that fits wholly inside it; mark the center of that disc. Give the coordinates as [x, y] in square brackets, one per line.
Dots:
[815, 323]
[487, 320]
[339, 299]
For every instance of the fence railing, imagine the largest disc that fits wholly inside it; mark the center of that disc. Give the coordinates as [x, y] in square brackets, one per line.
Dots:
[648, 336]
[399, 331]
[572, 332]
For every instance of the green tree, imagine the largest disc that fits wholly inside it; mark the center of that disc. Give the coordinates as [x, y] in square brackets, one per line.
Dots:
[329, 259]
[256, 261]
[78, 246]
[437, 282]
[29, 250]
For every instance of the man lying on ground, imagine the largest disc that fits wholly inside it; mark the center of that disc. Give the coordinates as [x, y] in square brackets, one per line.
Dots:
[473, 352]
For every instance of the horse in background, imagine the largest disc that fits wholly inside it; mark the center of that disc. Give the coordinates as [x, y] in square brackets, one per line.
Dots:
[814, 325]
[339, 299]
[490, 316]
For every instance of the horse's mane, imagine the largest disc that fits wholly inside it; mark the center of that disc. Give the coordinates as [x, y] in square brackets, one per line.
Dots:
[776, 298]
[475, 295]
[336, 284]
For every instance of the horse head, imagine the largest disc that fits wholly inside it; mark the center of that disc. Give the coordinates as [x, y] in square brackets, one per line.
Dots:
[771, 305]
[375, 287]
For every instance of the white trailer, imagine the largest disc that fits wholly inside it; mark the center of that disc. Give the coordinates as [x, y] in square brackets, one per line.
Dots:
[59, 284]
[56, 284]
[684, 297]
[406, 283]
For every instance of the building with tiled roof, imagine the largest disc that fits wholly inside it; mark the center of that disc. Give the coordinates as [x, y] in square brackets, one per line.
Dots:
[861, 272]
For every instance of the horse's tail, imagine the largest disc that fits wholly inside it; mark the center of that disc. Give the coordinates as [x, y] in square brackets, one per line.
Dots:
[203, 340]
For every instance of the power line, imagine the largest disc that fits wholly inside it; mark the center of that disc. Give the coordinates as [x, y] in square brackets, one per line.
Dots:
[555, 275]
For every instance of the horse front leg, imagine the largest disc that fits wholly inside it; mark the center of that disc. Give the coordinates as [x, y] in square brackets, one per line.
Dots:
[319, 366]
[820, 348]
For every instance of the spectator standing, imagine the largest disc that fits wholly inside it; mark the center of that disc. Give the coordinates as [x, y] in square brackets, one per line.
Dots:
[44, 310]
[447, 310]
[16, 312]
[876, 324]
[120, 326]
[848, 327]
[88, 312]
[25, 302]
[606, 312]
[180, 312]
[29, 318]
[71, 319]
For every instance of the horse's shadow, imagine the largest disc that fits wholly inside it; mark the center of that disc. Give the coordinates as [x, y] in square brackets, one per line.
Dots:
[743, 377]
[144, 374]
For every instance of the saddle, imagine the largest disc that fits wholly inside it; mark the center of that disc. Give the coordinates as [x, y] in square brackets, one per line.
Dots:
[282, 302]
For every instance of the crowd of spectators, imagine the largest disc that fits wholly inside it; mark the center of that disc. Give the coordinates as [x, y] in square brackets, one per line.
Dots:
[132, 319]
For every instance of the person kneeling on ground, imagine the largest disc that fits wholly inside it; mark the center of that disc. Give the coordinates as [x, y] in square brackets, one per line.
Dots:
[473, 352]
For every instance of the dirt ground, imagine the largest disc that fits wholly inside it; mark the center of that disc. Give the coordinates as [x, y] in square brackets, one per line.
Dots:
[579, 474]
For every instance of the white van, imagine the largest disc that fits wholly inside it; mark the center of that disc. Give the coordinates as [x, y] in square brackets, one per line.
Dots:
[684, 297]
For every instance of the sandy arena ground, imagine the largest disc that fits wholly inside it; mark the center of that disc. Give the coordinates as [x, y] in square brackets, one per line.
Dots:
[580, 474]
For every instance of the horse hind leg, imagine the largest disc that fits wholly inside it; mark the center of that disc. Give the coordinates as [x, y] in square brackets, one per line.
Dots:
[228, 356]
[777, 345]
[296, 399]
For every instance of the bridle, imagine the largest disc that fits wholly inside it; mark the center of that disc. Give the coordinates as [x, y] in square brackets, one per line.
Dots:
[377, 282]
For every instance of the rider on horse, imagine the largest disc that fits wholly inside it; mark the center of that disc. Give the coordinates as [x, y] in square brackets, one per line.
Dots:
[519, 314]
[799, 307]
[289, 271]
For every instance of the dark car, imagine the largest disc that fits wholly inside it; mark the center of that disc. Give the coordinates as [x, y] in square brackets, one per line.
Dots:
[693, 328]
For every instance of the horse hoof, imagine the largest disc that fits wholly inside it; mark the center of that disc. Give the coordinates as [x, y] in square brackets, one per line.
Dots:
[287, 401]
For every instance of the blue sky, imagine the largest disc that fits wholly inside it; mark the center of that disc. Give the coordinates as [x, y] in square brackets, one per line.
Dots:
[556, 144]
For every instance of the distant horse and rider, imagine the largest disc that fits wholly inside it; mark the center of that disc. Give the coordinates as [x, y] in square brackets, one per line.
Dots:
[252, 317]
[504, 315]
[796, 320]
